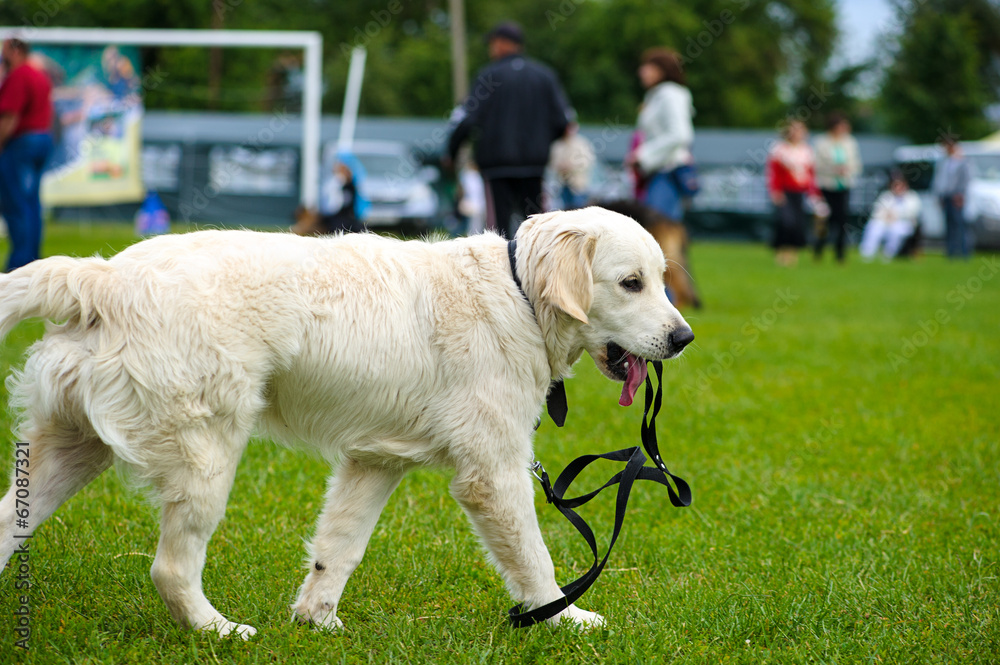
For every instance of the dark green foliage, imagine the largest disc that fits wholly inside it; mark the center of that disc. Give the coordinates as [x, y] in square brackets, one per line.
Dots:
[943, 74]
[740, 53]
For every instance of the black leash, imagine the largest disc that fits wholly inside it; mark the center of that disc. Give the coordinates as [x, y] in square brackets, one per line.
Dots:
[635, 469]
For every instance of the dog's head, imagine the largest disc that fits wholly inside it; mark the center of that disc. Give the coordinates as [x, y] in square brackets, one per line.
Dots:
[595, 279]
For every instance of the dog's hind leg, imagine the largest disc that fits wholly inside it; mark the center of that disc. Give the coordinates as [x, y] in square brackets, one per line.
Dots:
[56, 464]
[354, 500]
[194, 493]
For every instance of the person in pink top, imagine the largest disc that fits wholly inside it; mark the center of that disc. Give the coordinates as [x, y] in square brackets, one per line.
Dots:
[791, 180]
[25, 146]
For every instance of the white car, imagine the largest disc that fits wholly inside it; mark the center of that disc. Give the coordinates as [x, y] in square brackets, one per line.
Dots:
[982, 206]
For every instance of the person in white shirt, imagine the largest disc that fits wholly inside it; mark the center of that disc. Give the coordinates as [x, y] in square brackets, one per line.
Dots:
[472, 203]
[572, 160]
[666, 129]
[893, 220]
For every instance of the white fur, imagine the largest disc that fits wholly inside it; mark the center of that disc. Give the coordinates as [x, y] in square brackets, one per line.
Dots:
[381, 354]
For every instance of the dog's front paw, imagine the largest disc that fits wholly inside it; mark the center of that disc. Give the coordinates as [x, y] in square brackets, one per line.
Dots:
[225, 628]
[573, 615]
[324, 617]
[330, 622]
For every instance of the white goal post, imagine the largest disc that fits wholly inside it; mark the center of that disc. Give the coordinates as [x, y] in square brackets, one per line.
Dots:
[309, 41]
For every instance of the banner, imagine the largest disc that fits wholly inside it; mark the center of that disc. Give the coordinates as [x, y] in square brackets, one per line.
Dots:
[96, 127]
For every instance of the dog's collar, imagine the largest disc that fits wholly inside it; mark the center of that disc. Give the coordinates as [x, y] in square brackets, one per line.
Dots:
[511, 249]
[555, 400]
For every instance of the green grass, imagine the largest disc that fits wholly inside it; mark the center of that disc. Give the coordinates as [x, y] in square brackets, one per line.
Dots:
[844, 458]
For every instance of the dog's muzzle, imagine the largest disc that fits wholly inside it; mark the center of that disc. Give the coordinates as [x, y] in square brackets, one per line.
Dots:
[678, 339]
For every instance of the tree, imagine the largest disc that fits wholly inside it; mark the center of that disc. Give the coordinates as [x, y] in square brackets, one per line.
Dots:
[746, 59]
[939, 81]
[738, 53]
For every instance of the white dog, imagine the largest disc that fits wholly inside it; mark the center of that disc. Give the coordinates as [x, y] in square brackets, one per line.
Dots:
[381, 354]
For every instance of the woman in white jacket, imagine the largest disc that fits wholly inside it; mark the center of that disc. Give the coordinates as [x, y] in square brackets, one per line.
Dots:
[666, 130]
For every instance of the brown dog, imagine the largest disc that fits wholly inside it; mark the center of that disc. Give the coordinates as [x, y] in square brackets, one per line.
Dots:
[673, 240]
[307, 222]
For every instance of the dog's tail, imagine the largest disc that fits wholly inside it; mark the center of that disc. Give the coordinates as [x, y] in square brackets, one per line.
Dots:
[57, 288]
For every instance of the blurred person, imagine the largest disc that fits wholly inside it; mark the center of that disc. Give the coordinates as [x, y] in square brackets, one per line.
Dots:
[952, 175]
[790, 181]
[838, 164]
[338, 205]
[515, 111]
[25, 146]
[572, 160]
[118, 73]
[636, 179]
[663, 156]
[472, 198]
[895, 217]
[152, 218]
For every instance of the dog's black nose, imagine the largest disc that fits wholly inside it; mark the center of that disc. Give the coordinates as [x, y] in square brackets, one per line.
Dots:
[679, 339]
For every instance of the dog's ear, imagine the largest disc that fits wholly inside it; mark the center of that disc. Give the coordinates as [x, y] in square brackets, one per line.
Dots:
[569, 285]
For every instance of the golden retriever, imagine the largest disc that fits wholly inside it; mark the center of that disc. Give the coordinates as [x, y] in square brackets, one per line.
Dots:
[381, 354]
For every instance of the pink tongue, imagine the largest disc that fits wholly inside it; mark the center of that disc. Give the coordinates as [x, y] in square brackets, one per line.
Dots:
[636, 375]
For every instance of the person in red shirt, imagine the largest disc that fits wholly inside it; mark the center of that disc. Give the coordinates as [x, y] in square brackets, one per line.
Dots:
[25, 146]
[791, 179]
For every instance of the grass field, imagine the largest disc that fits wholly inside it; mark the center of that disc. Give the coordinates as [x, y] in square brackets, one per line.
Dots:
[839, 426]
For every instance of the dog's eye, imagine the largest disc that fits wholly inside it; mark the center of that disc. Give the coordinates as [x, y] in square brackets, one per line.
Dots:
[633, 284]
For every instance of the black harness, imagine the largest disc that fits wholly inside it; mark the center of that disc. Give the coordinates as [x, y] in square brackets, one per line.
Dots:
[635, 469]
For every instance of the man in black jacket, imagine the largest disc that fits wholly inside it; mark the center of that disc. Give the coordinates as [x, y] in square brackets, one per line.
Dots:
[515, 111]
